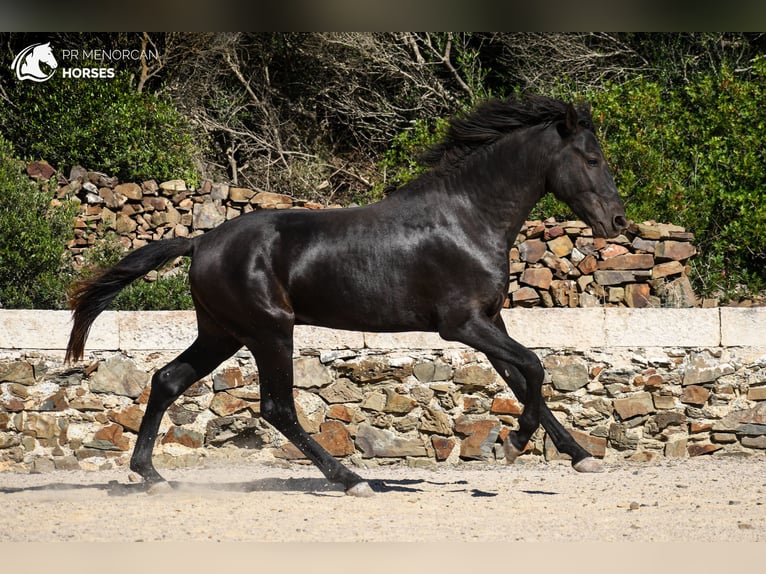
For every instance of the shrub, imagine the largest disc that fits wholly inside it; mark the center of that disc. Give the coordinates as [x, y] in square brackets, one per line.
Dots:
[34, 236]
[694, 156]
[104, 125]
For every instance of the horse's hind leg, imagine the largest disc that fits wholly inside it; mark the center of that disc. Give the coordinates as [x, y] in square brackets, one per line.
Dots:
[208, 351]
[273, 352]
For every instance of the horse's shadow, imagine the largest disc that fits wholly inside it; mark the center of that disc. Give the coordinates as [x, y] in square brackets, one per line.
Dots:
[313, 486]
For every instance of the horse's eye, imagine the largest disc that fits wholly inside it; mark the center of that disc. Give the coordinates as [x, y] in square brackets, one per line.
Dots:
[592, 162]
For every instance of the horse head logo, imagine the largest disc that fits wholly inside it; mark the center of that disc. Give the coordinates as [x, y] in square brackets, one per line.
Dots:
[26, 64]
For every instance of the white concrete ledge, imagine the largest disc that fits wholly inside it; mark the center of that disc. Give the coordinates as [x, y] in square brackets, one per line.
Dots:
[536, 328]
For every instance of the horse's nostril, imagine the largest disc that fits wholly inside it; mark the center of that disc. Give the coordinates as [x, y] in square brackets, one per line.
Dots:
[620, 222]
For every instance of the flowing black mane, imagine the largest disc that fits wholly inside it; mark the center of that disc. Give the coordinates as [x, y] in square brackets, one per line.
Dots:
[493, 119]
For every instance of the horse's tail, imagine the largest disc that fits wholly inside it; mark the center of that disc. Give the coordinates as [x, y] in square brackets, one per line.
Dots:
[91, 296]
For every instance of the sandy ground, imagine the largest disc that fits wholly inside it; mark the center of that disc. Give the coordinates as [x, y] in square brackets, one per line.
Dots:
[706, 498]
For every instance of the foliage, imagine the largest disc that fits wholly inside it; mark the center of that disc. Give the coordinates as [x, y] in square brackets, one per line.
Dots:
[694, 155]
[33, 239]
[104, 125]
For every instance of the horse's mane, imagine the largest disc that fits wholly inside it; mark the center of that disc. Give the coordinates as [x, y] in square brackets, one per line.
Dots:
[493, 119]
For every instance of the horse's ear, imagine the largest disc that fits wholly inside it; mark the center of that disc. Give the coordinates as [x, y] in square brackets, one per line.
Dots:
[569, 125]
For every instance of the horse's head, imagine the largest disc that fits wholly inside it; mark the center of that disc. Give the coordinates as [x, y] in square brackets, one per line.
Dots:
[44, 53]
[580, 177]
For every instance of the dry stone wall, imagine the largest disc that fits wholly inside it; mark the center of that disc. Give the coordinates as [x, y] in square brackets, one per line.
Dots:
[553, 264]
[630, 384]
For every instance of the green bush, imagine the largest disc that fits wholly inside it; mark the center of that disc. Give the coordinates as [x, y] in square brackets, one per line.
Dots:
[103, 125]
[33, 239]
[694, 156]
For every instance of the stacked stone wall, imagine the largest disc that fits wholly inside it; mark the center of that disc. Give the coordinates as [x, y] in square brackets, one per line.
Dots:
[639, 385]
[553, 264]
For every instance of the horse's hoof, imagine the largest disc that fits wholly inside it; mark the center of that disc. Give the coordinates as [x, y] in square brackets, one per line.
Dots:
[360, 489]
[511, 452]
[159, 488]
[588, 464]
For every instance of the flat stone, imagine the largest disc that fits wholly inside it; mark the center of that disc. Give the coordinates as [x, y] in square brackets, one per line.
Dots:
[540, 277]
[635, 405]
[703, 368]
[186, 437]
[129, 418]
[731, 421]
[588, 265]
[751, 429]
[506, 406]
[434, 420]
[474, 377]
[443, 447]
[615, 277]
[173, 185]
[676, 448]
[628, 261]
[341, 413]
[20, 372]
[182, 414]
[241, 194]
[695, 395]
[374, 442]
[641, 244]
[756, 394]
[613, 250]
[244, 432]
[224, 404]
[669, 418]
[678, 293]
[118, 376]
[638, 295]
[698, 448]
[208, 215]
[131, 191]
[335, 438]
[532, 250]
[109, 437]
[309, 372]
[754, 441]
[269, 200]
[397, 403]
[228, 378]
[666, 269]
[342, 391]
[561, 246]
[674, 250]
[567, 373]
[525, 297]
[481, 436]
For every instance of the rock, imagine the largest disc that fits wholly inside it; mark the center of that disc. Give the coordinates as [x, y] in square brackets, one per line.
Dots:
[595, 445]
[588, 265]
[756, 394]
[635, 405]
[68, 462]
[704, 369]
[208, 215]
[613, 277]
[676, 448]
[86, 403]
[309, 372]
[674, 250]
[532, 250]
[666, 269]
[700, 448]
[130, 191]
[613, 250]
[173, 185]
[20, 372]
[525, 297]
[341, 413]
[243, 432]
[506, 406]
[224, 404]
[443, 447]
[628, 261]
[678, 294]
[228, 378]
[666, 419]
[334, 437]
[342, 391]
[118, 376]
[695, 395]
[566, 373]
[561, 246]
[124, 225]
[269, 200]
[638, 295]
[481, 435]
[40, 170]
[186, 437]
[398, 404]
[540, 277]
[241, 194]
[129, 418]
[475, 377]
[435, 420]
[620, 438]
[219, 192]
[54, 402]
[641, 244]
[751, 429]
[109, 437]
[754, 442]
[374, 442]
[182, 414]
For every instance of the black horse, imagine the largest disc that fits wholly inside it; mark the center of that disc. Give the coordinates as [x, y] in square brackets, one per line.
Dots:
[431, 256]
